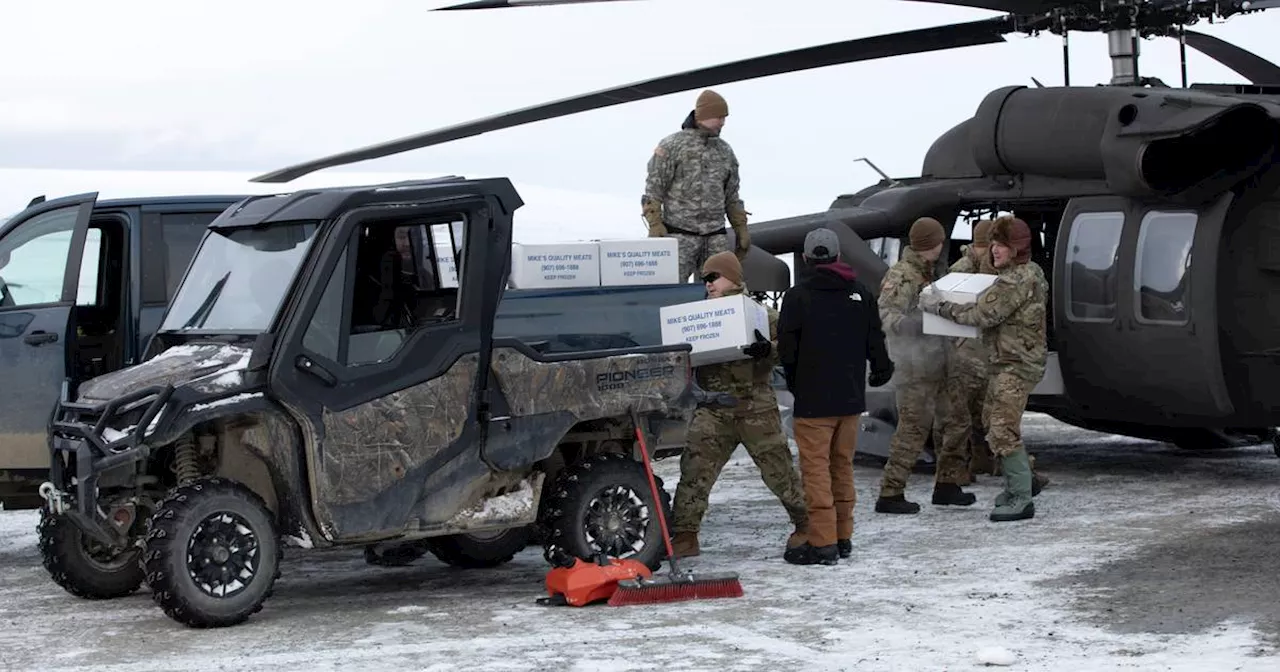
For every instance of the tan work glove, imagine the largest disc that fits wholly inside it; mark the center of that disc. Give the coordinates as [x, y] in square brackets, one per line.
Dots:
[652, 213]
[738, 220]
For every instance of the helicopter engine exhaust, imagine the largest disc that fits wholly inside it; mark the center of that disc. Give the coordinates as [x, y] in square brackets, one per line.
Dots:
[1144, 142]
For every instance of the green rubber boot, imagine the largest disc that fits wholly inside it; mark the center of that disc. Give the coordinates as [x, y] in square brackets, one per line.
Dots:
[1015, 502]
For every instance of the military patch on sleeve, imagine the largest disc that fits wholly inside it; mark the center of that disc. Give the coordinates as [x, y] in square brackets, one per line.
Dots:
[659, 151]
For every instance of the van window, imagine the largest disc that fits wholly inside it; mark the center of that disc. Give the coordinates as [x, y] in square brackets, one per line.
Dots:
[33, 259]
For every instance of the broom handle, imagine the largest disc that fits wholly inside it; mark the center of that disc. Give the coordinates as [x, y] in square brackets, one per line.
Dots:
[653, 487]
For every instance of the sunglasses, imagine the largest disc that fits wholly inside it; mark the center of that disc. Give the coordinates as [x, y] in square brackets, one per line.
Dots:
[711, 277]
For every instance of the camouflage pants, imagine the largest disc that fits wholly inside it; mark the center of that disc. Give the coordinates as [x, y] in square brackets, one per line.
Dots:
[694, 251]
[1002, 413]
[713, 436]
[962, 428]
[917, 402]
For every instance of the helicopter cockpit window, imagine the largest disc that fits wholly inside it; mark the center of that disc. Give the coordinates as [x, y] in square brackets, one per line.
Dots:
[1091, 265]
[1160, 271]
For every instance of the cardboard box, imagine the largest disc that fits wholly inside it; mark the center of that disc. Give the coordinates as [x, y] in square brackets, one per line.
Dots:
[647, 261]
[448, 268]
[553, 265]
[957, 288]
[717, 328]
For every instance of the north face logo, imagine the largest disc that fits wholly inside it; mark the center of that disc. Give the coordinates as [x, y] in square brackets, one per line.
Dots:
[855, 297]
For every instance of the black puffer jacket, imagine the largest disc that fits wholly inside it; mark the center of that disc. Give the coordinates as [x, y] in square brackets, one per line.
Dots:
[828, 329]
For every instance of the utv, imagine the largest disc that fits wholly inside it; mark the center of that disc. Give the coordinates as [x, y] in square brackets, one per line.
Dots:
[314, 382]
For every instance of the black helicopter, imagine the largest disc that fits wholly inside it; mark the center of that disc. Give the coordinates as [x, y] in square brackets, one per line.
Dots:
[1157, 208]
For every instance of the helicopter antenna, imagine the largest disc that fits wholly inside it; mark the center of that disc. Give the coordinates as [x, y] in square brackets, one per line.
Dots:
[892, 182]
[1066, 48]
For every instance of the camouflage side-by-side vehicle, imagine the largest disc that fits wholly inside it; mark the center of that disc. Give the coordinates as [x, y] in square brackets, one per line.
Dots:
[314, 382]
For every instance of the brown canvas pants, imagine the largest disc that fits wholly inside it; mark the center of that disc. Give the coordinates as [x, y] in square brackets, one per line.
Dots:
[826, 471]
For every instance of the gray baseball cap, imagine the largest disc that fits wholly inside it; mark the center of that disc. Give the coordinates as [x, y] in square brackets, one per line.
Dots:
[821, 245]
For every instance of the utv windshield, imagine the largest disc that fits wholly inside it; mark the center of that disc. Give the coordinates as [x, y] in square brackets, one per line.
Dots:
[238, 278]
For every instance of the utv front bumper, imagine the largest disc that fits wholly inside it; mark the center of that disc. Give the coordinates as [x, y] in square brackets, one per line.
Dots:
[83, 446]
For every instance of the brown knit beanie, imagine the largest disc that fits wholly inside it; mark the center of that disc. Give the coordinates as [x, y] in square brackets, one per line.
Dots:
[1015, 234]
[726, 264]
[982, 233]
[710, 105]
[926, 234]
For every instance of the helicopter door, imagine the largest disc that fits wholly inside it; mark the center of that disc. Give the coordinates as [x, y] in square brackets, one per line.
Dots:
[1134, 308]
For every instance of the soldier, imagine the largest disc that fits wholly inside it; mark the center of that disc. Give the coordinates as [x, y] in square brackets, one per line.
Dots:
[920, 366]
[756, 423]
[692, 186]
[1011, 314]
[828, 330]
[966, 387]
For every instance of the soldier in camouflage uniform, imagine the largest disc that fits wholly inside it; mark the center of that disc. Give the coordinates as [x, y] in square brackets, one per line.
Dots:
[1012, 315]
[960, 425]
[919, 375]
[692, 186]
[756, 423]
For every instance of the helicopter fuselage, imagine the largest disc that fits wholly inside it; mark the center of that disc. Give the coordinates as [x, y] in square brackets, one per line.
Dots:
[1155, 216]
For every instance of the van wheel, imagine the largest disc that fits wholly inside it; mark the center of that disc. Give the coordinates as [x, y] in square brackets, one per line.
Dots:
[480, 550]
[603, 504]
[82, 566]
[212, 553]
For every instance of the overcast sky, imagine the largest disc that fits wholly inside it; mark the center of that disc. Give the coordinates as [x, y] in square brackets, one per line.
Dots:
[247, 87]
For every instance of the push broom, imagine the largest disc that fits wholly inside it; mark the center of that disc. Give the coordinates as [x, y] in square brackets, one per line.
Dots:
[675, 586]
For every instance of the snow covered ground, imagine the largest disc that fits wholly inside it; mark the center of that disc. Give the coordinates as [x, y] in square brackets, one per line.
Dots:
[1141, 557]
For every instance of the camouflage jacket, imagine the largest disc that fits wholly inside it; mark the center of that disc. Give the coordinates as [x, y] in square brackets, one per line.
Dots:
[694, 175]
[1011, 313]
[915, 356]
[968, 356]
[750, 380]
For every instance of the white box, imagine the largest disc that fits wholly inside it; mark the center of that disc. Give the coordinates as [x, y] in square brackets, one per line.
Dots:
[552, 265]
[448, 268]
[717, 328]
[646, 261]
[957, 288]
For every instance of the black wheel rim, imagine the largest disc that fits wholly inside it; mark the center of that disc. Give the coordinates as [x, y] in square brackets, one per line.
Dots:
[222, 555]
[616, 522]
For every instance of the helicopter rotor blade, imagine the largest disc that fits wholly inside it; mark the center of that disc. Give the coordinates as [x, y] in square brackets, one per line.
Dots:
[951, 36]
[504, 4]
[1247, 64]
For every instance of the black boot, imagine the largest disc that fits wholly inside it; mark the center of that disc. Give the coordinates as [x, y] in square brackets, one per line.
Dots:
[804, 554]
[845, 547]
[950, 494]
[896, 504]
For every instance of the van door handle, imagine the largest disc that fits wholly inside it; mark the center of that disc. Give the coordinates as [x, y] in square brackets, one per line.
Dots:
[305, 365]
[39, 338]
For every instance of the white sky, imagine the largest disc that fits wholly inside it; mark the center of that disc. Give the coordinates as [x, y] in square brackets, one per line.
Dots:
[248, 87]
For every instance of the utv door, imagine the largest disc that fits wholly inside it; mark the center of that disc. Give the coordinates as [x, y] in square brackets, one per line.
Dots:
[382, 357]
[40, 255]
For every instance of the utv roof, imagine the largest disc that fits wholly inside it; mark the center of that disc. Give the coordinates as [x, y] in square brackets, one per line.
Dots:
[329, 202]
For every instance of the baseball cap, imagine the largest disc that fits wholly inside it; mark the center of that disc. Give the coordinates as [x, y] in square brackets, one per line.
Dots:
[821, 244]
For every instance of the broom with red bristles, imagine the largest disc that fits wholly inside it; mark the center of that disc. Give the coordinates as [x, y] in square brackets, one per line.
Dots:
[675, 586]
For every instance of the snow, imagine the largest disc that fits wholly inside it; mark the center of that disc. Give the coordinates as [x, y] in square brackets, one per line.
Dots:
[235, 399]
[1141, 557]
[510, 506]
[303, 540]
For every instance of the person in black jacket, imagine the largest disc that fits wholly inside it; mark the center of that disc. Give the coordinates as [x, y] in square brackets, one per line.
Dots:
[828, 329]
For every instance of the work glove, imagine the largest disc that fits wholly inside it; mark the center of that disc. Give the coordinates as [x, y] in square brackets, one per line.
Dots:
[652, 212]
[760, 349]
[879, 378]
[738, 220]
[930, 300]
[911, 325]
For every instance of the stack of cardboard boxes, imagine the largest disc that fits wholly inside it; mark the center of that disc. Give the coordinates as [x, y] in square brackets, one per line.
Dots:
[718, 329]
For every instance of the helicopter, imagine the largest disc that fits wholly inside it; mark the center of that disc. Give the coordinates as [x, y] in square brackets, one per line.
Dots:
[1155, 210]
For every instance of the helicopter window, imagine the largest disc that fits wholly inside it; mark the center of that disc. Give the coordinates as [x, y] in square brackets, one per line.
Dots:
[1091, 265]
[1160, 271]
